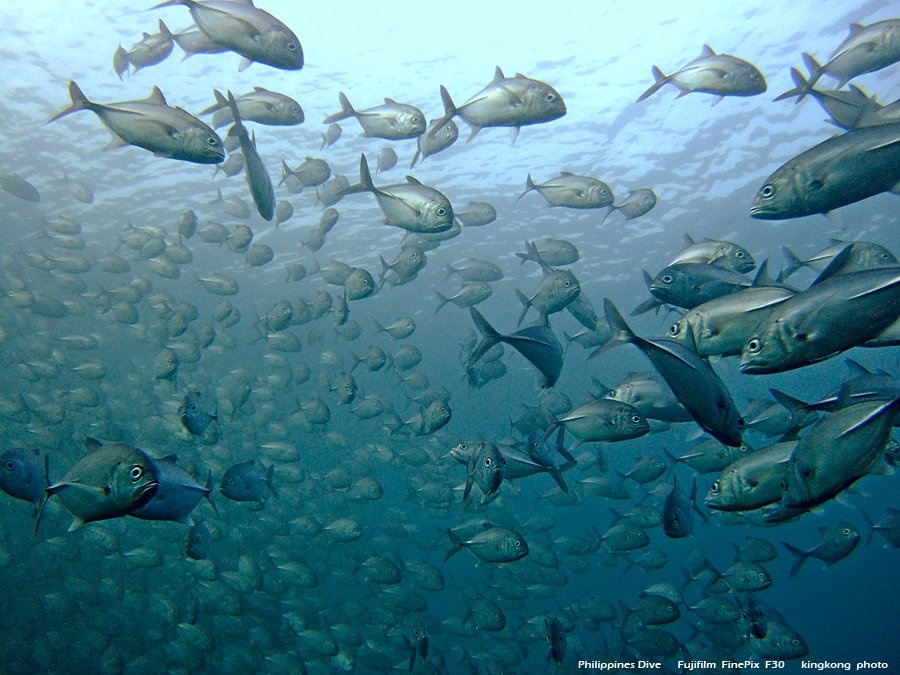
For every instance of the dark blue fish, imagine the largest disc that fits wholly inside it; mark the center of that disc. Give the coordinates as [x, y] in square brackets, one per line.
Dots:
[198, 541]
[178, 493]
[538, 344]
[678, 519]
[689, 376]
[22, 474]
[419, 647]
[195, 418]
[244, 482]
[556, 638]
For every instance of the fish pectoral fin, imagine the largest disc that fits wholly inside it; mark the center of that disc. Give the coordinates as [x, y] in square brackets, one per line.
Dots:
[513, 98]
[115, 142]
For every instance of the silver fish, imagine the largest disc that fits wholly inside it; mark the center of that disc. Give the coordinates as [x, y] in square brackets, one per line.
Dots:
[255, 169]
[392, 121]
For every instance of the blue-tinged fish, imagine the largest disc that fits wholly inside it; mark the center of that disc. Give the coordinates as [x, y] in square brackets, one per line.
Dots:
[838, 541]
[198, 541]
[23, 475]
[254, 34]
[261, 106]
[195, 418]
[411, 206]
[19, 187]
[392, 121]
[538, 344]
[254, 168]
[110, 481]
[506, 102]
[154, 125]
[678, 519]
[711, 73]
[178, 493]
[492, 544]
[689, 376]
[244, 482]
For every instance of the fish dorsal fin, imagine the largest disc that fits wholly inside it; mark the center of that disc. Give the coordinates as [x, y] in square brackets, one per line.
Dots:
[498, 75]
[688, 240]
[647, 278]
[413, 181]
[171, 459]
[146, 35]
[260, 89]
[835, 242]
[762, 275]
[389, 101]
[707, 51]
[520, 76]
[566, 173]
[156, 97]
[855, 28]
[834, 267]
[92, 444]
[856, 369]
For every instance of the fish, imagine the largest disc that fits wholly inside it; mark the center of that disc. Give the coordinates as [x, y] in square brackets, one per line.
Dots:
[557, 290]
[399, 330]
[475, 270]
[193, 42]
[602, 420]
[251, 32]
[688, 285]
[838, 171]
[18, 187]
[198, 541]
[152, 49]
[506, 102]
[477, 214]
[724, 254]
[195, 418]
[572, 191]
[689, 376]
[110, 481]
[411, 206]
[359, 284]
[260, 105]
[485, 467]
[865, 50]
[710, 73]
[254, 168]
[838, 541]
[492, 544]
[152, 124]
[23, 475]
[638, 203]
[778, 640]
[804, 329]
[331, 135]
[678, 521]
[78, 189]
[387, 160]
[407, 264]
[435, 139]
[752, 481]
[538, 344]
[312, 173]
[177, 495]
[861, 256]
[552, 253]
[244, 482]
[392, 121]
[470, 294]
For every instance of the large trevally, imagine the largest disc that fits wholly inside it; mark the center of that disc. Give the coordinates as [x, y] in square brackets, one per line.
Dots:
[254, 34]
[689, 376]
[261, 106]
[411, 205]
[538, 344]
[254, 169]
[506, 102]
[392, 121]
[841, 170]
[711, 73]
[110, 481]
[154, 125]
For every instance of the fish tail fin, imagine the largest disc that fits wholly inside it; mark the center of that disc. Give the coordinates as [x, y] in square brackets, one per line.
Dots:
[629, 563]
[871, 527]
[616, 516]
[234, 112]
[415, 158]
[529, 186]
[621, 333]
[794, 263]
[556, 475]
[384, 269]
[285, 172]
[795, 406]
[531, 253]
[526, 303]
[450, 110]
[270, 480]
[450, 271]
[612, 207]
[346, 110]
[659, 78]
[209, 491]
[800, 556]
[79, 102]
[169, 3]
[365, 183]
[442, 300]
[561, 447]
[802, 89]
[457, 544]
[48, 491]
[489, 338]
[164, 31]
[378, 328]
[814, 67]
[694, 503]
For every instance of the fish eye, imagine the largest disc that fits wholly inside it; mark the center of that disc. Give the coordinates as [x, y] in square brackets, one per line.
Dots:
[738, 254]
[463, 446]
[517, 543]
[636, 419]
[667, 279]
[291, 47]
[136, 473]
[568, 283]
[442, 211]
[448, 129]
[212, 142]
[550, 98]
[846, 531]
[714, 488]
[10, 466]
[754, 346]
[675, 329]
[767, 192]
[415, 119]
[487, 461]
[295, 109]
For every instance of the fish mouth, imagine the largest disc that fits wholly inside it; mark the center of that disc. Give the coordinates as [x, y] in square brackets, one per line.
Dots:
[145, 494]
